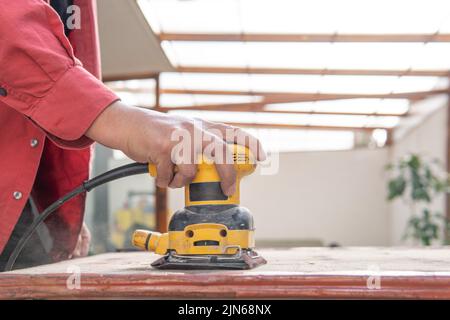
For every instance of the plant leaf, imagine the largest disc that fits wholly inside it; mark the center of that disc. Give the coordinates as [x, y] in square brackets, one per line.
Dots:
[396, 187]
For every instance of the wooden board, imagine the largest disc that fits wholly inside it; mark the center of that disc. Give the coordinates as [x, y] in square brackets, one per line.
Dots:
[290, 273]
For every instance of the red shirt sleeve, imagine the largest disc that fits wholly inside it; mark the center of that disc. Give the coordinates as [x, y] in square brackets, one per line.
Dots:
[40, 75]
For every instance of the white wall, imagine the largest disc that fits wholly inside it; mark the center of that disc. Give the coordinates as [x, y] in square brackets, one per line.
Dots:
[331, 196]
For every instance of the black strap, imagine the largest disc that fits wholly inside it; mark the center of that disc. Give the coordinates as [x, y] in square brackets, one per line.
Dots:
[34, 253]
[60, 7]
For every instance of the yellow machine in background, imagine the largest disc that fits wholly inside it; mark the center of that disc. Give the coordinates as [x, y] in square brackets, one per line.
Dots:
[137, 212]
[213, 230]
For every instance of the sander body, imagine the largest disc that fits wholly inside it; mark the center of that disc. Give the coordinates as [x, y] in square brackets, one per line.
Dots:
[212, 231]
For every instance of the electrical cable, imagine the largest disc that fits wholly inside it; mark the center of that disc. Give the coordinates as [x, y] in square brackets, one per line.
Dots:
[114, 174]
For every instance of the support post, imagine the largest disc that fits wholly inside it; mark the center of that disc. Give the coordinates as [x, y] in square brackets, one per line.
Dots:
[161, 197]
[447, 204]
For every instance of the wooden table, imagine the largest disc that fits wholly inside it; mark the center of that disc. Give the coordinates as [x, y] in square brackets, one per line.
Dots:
[290, 273]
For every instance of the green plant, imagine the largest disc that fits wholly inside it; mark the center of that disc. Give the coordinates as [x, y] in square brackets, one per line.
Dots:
[418, 182]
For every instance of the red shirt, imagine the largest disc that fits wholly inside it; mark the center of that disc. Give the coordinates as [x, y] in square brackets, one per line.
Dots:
[47, 102]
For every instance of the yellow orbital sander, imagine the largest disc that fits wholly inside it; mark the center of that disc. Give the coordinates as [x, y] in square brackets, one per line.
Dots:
[213, 231]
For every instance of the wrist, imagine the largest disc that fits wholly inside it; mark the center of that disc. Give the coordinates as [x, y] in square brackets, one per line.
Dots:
[109, 128]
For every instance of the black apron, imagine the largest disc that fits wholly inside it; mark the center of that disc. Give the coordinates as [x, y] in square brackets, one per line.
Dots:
[37, 248]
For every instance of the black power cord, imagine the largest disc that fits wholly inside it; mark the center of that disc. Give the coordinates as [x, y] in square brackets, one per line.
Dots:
[117, 173]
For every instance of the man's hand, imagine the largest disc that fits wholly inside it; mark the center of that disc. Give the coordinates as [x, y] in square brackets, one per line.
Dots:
[83, 242]
[145, 136]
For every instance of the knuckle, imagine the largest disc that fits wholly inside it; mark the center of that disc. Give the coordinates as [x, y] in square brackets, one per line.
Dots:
[164, 145]
[177, 183]
[163, 178]
[190, 172]
[228, 172]
[233, 174]
[167, 146]
[187, 124]
[162, 184]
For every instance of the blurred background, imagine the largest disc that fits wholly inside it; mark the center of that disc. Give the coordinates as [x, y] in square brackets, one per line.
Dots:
[352, 94]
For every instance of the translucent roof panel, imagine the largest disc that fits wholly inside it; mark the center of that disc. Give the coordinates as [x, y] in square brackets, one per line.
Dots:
[299, 83]
[144, 84]
[137, 99]
[285, 139]
[181, 100]
[284, 83]
[206, 81]
[298, 16]
[400, 56]
[376, 106]
[293, 119]
[289, 140]
[380, 84]
[174, 15]
[174, 100]
[306, 140]
[209, 53]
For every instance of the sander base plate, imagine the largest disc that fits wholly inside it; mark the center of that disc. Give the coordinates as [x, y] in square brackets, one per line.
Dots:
[244, 260]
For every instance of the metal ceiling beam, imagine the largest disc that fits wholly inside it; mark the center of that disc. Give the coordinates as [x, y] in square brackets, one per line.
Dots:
[321, 72]
[267, 37]
[331, 113]
[244, 106]
[130, 76]
[310, 127]
[280, 97]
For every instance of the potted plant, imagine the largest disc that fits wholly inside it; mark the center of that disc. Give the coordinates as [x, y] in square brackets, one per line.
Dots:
[418, 182]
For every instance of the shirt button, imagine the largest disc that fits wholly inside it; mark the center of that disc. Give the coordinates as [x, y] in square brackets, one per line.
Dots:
[34, 143]
[3, 92]
[17, 195]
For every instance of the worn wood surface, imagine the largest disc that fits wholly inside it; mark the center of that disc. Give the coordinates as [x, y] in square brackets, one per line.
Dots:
[290, 273]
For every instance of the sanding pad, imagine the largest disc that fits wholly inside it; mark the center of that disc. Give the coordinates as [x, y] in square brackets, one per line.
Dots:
[246, 260]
